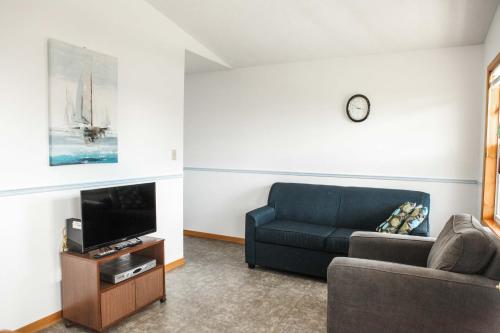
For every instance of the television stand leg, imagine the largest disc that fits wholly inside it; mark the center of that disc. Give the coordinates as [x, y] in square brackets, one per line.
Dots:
[163, 299]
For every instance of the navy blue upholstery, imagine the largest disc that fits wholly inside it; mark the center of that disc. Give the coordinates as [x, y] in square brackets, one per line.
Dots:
[338, 241]
[364, 208]
[304, 226]
[293, 259]
[306, 203]
[255, 219]
[292, 233]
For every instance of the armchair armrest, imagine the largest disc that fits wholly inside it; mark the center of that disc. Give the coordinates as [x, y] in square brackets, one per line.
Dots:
[403, 249]
[254, 219]
[374, 296]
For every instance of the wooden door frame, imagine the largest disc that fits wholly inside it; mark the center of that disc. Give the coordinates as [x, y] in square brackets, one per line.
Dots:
[490, 156]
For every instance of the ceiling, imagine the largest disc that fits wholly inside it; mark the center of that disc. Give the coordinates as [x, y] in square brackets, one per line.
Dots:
[259, 32]
[198, 64]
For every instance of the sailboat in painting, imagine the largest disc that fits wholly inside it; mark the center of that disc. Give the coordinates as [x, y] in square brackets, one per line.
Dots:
[83, 89]
[83, 117]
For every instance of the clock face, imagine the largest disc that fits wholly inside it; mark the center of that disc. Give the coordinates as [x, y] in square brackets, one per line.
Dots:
[358, 108]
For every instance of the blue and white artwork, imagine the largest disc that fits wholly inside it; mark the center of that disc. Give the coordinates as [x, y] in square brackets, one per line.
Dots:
[82, 105]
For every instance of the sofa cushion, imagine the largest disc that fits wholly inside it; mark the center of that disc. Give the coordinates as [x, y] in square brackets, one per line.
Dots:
[364, 208]
[338, 241]
[462, 246]
[317, 204]
[394, 222]
[292, 233]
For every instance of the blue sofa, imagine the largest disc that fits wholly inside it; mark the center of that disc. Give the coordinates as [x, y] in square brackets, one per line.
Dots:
[303, 227]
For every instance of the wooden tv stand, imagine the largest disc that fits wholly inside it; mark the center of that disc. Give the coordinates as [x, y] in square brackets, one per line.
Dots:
[95, 304]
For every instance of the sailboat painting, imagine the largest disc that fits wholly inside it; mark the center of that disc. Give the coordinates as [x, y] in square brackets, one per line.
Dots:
[82, 105]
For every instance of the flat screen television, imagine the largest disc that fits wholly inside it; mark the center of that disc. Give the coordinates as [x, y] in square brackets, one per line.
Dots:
[115, 214]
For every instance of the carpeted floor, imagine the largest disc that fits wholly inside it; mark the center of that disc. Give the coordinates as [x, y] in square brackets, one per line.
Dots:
[216, 292]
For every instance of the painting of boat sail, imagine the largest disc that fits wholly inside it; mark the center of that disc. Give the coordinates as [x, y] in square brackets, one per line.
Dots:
[82, 105]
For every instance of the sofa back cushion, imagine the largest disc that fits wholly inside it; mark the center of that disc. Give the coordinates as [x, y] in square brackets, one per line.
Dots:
[364, 208]
[305, 203]
[463, 246]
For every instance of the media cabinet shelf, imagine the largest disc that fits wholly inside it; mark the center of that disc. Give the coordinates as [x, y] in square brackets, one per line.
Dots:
[147, 242]
[96, 304]
[105, 286]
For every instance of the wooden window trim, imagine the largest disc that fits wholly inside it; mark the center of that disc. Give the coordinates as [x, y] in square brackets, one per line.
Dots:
[490, 156]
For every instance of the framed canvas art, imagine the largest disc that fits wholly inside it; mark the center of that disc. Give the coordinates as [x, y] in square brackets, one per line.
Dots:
[82, 105]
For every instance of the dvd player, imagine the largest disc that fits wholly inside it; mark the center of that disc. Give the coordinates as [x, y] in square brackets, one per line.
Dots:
[125, 267]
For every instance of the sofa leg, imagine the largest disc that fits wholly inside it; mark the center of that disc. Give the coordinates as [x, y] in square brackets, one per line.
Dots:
[251, 266]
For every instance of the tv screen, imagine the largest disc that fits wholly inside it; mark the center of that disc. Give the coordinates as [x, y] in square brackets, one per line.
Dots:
[111, 215]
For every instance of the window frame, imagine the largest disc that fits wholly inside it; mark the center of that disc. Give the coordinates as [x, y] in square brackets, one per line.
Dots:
[490, 156]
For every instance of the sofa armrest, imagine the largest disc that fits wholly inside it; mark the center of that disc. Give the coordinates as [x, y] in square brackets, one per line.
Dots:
[254, 219]
[374, 296]
[261, 215]
[403, 249]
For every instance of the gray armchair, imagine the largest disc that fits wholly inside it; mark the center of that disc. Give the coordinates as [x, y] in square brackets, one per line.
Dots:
[395, 283]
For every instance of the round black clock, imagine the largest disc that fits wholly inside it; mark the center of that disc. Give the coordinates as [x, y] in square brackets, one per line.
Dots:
[358, 108]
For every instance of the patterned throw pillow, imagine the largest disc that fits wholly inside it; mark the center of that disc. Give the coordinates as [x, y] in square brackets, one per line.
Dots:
[393, 222]
[416, 217]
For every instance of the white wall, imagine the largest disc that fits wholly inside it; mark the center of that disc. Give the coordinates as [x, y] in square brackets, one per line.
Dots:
[425, 122]
[150, 51]
[492, 41]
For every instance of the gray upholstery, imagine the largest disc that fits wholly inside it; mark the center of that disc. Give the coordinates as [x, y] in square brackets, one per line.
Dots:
[462, 246]
[374, 296]
[384, 286]
[403, 249]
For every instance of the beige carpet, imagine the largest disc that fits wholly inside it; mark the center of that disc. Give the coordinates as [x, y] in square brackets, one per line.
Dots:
[216, 292]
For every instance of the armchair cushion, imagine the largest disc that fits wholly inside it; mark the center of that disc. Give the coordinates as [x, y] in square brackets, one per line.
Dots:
[403, 249]
[462, 246]
[292, 233]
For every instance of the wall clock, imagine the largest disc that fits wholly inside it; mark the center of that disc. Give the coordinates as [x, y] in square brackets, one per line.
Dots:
[358, 108]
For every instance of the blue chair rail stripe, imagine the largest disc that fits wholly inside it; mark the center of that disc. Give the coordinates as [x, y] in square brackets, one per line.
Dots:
[86, 185]
[336, 175]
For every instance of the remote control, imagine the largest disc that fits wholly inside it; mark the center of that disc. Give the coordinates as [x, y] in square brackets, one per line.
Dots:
[135, 241]
[121, 246]
[104, 253]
